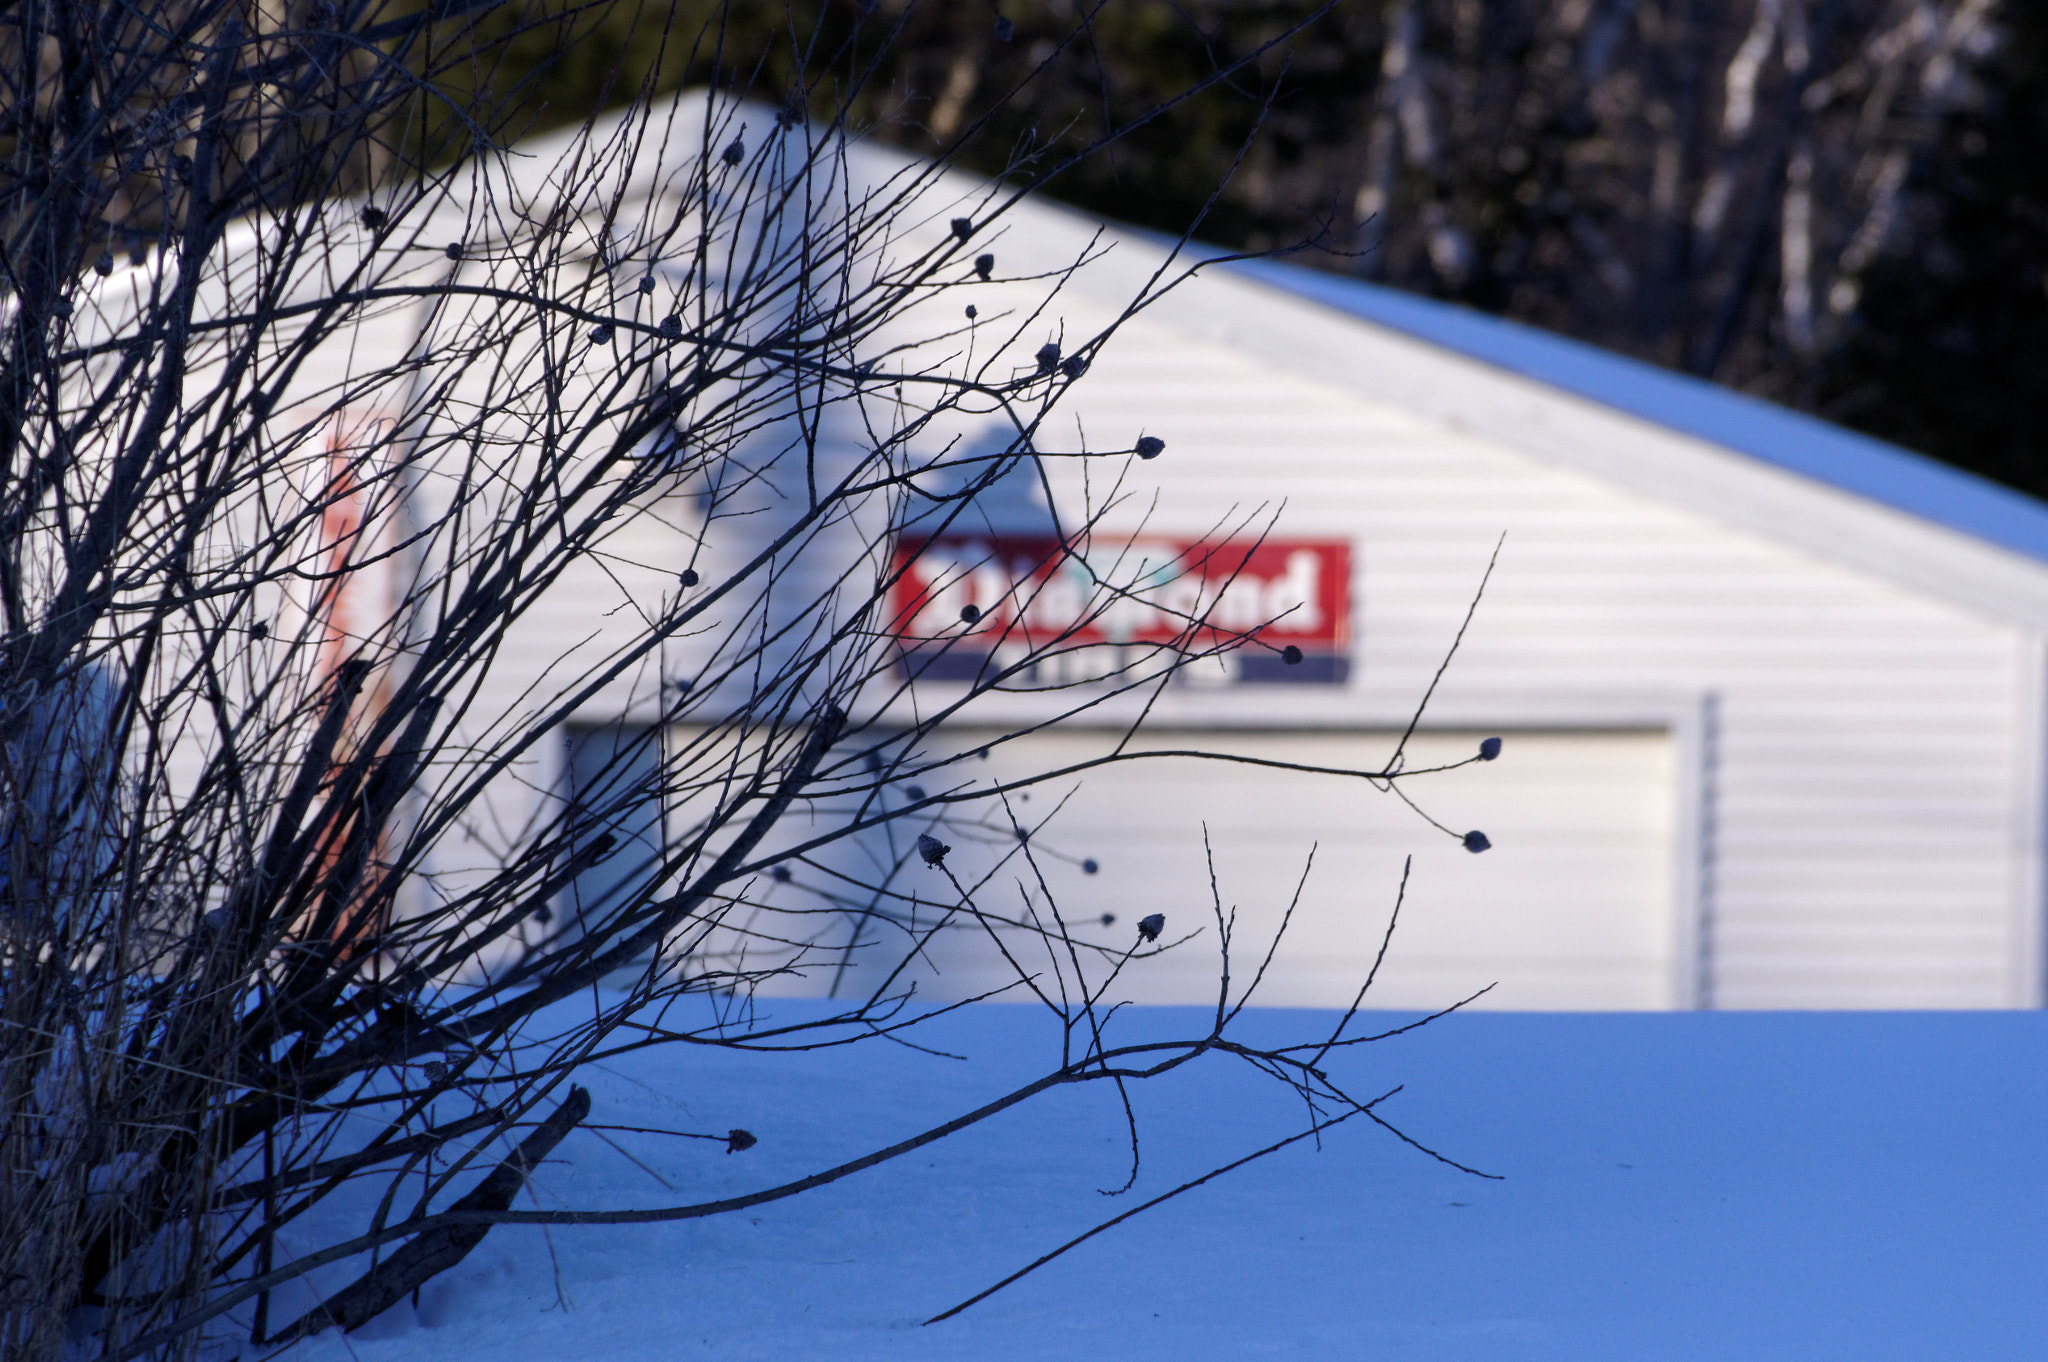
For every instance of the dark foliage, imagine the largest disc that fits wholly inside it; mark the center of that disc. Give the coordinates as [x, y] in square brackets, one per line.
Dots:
[1951, 356]
[1836, 204]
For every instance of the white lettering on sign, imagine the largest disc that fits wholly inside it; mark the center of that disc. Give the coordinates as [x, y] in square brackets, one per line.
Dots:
[1253, 598]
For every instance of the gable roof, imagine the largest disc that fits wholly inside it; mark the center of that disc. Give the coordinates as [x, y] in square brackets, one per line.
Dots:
[1787, 439]
[1751, 463]
[1778, 438]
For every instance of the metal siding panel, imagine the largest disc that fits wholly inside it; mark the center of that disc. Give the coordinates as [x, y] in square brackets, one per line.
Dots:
[1874, 758]
[1876, 766]
[1574, 907]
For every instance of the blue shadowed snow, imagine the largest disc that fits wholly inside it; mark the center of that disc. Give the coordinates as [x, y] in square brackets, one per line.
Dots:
[1788, 439]
[1678, 1187]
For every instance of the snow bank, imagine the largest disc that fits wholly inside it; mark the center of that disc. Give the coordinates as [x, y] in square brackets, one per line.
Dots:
[1742, 1186]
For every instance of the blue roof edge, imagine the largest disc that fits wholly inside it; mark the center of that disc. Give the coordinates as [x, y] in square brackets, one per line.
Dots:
[1787, 439]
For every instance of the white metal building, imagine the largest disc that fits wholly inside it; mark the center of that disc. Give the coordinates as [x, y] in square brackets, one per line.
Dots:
[1771, 693]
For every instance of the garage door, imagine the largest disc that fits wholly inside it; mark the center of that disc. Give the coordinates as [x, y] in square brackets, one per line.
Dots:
[1574, 907]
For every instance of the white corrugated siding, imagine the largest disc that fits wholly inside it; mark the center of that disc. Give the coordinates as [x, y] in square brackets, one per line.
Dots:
[1856, 825]
[1574, 907]
[1872, 763]
[1867, 842]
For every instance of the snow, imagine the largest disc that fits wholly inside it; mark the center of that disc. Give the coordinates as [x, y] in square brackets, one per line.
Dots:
[1676, 1186]
[1791, 440]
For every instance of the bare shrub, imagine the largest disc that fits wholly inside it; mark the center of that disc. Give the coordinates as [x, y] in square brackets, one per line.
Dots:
[322, 414]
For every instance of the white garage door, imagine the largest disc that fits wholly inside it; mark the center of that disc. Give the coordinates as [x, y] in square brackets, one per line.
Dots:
[1574, 907]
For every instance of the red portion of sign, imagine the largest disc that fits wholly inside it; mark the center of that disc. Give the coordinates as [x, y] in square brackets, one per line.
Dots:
[973, 595]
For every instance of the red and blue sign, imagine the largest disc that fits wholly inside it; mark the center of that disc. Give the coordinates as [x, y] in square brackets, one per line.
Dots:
[966, 607]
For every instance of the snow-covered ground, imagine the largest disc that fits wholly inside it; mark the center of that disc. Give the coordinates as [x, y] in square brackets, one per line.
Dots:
[1741, 1186]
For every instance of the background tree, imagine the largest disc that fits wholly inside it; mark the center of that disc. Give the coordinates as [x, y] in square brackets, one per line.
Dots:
[315, 397]
[1950, 352]
[1834, 204]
